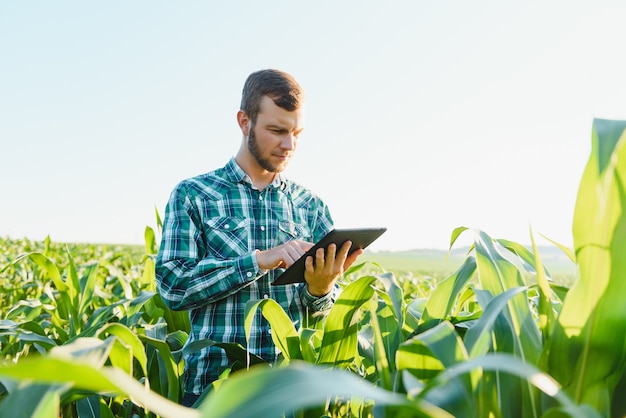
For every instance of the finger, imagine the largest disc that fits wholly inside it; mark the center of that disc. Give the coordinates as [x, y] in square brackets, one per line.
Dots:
[305, 246]
[308, 264]
[345, 248]
[319, 259]
[291, 254]
[352, 258]
[329, 259]
[342, 254]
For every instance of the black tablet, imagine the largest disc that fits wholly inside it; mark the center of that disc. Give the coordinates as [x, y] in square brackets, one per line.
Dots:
[360, 237]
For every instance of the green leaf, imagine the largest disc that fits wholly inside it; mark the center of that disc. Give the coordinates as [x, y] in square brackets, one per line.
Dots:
[150, 239]
[443, 298]
[527, 257]
[339, 343]
[64, 305]
[569, 252]
[310, 340]
[87, 288]
[129, 338]
[587, 350]
[429, 353]
[426, 355]
[284, 334]
[169, 370]
[265, 392]
[51, 269]
[478, 338]
[506, 363]
[456, 233]
[88, 407]
[235, 352]
[101, 380]
[72, 281]
[393, 296]
[159, 222]
[547, 318]
[497, 274]
[380, 345]
[176, 320]
[29, 400]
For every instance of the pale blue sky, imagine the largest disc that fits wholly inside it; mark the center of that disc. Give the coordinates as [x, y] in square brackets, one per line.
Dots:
[422, 116]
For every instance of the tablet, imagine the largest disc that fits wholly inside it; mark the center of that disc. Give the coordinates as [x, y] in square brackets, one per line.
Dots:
[360, 237]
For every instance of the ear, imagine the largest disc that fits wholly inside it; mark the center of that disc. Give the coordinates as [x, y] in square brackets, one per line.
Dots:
[244, 122]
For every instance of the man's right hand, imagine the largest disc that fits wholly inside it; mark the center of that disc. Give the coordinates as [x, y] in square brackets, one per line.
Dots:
[282, 256]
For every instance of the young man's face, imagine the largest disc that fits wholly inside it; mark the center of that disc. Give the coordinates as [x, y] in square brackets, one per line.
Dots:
[273, 137]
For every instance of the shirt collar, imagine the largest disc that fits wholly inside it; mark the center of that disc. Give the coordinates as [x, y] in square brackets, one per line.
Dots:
[237, 175]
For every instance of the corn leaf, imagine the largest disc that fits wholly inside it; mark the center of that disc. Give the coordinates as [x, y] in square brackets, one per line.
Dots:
[150, 240]
[56, 370]
[168, 370]
[547, 317]
[88, 407]
[339, 343]
[478, 338]
[129, 338]
[265, 392]
[87, 287]
[506, 363]
[284, 334]
[429, 353]
[497, 275]
[587, 350]
[443, 298]
[29, 400]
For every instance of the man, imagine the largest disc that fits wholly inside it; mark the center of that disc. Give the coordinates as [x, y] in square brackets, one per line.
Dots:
[225, 234]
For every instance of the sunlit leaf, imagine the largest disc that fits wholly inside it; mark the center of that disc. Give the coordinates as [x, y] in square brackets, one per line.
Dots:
[265, 392]
[587, 350]
[339, 342]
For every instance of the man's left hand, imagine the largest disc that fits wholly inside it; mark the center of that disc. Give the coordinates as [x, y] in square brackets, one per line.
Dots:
[322, 275]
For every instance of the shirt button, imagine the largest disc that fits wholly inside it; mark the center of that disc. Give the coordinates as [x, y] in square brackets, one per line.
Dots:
[260, 197]
[226, 226]
[262, 228]
[265, 297]
[269, 331]
[249, 274]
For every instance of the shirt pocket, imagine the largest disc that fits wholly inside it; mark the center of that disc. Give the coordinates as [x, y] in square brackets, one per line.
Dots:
[289, 231]
[227, 236]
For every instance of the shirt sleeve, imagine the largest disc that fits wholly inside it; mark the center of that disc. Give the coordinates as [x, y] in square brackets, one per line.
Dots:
[187, 278]
[315, 303]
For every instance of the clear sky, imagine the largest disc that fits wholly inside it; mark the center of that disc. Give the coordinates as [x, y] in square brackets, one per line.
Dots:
[422, 115]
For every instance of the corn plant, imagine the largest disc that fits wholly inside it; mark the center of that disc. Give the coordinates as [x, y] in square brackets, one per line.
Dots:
[110, 299]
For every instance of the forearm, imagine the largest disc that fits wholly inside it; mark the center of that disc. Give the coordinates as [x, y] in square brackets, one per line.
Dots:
[187, 283]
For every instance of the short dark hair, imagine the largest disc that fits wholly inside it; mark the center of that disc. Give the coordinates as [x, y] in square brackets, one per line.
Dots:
[278, 85]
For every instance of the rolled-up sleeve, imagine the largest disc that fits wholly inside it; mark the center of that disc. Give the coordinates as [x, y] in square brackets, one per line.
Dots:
[186, 276]
[318, 304]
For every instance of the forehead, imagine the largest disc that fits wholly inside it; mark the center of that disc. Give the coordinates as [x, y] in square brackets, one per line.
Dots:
[270, 113]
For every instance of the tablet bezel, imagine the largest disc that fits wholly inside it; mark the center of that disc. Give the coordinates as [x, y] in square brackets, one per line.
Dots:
[360, 237]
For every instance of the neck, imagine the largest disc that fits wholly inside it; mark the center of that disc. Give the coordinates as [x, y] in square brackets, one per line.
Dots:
[259, 176]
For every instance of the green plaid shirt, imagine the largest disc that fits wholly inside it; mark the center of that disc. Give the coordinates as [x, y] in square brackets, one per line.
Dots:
[213, 225]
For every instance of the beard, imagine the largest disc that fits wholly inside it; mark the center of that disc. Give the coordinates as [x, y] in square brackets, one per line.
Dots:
[253, 147]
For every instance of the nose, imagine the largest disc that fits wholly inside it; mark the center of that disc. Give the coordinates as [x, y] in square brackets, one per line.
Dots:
[289, 141]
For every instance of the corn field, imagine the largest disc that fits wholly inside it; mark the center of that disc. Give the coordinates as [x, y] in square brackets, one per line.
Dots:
[83, 332]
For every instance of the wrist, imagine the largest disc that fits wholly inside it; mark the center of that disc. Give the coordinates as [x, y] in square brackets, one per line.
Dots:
[317, 293]
[260, 259]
